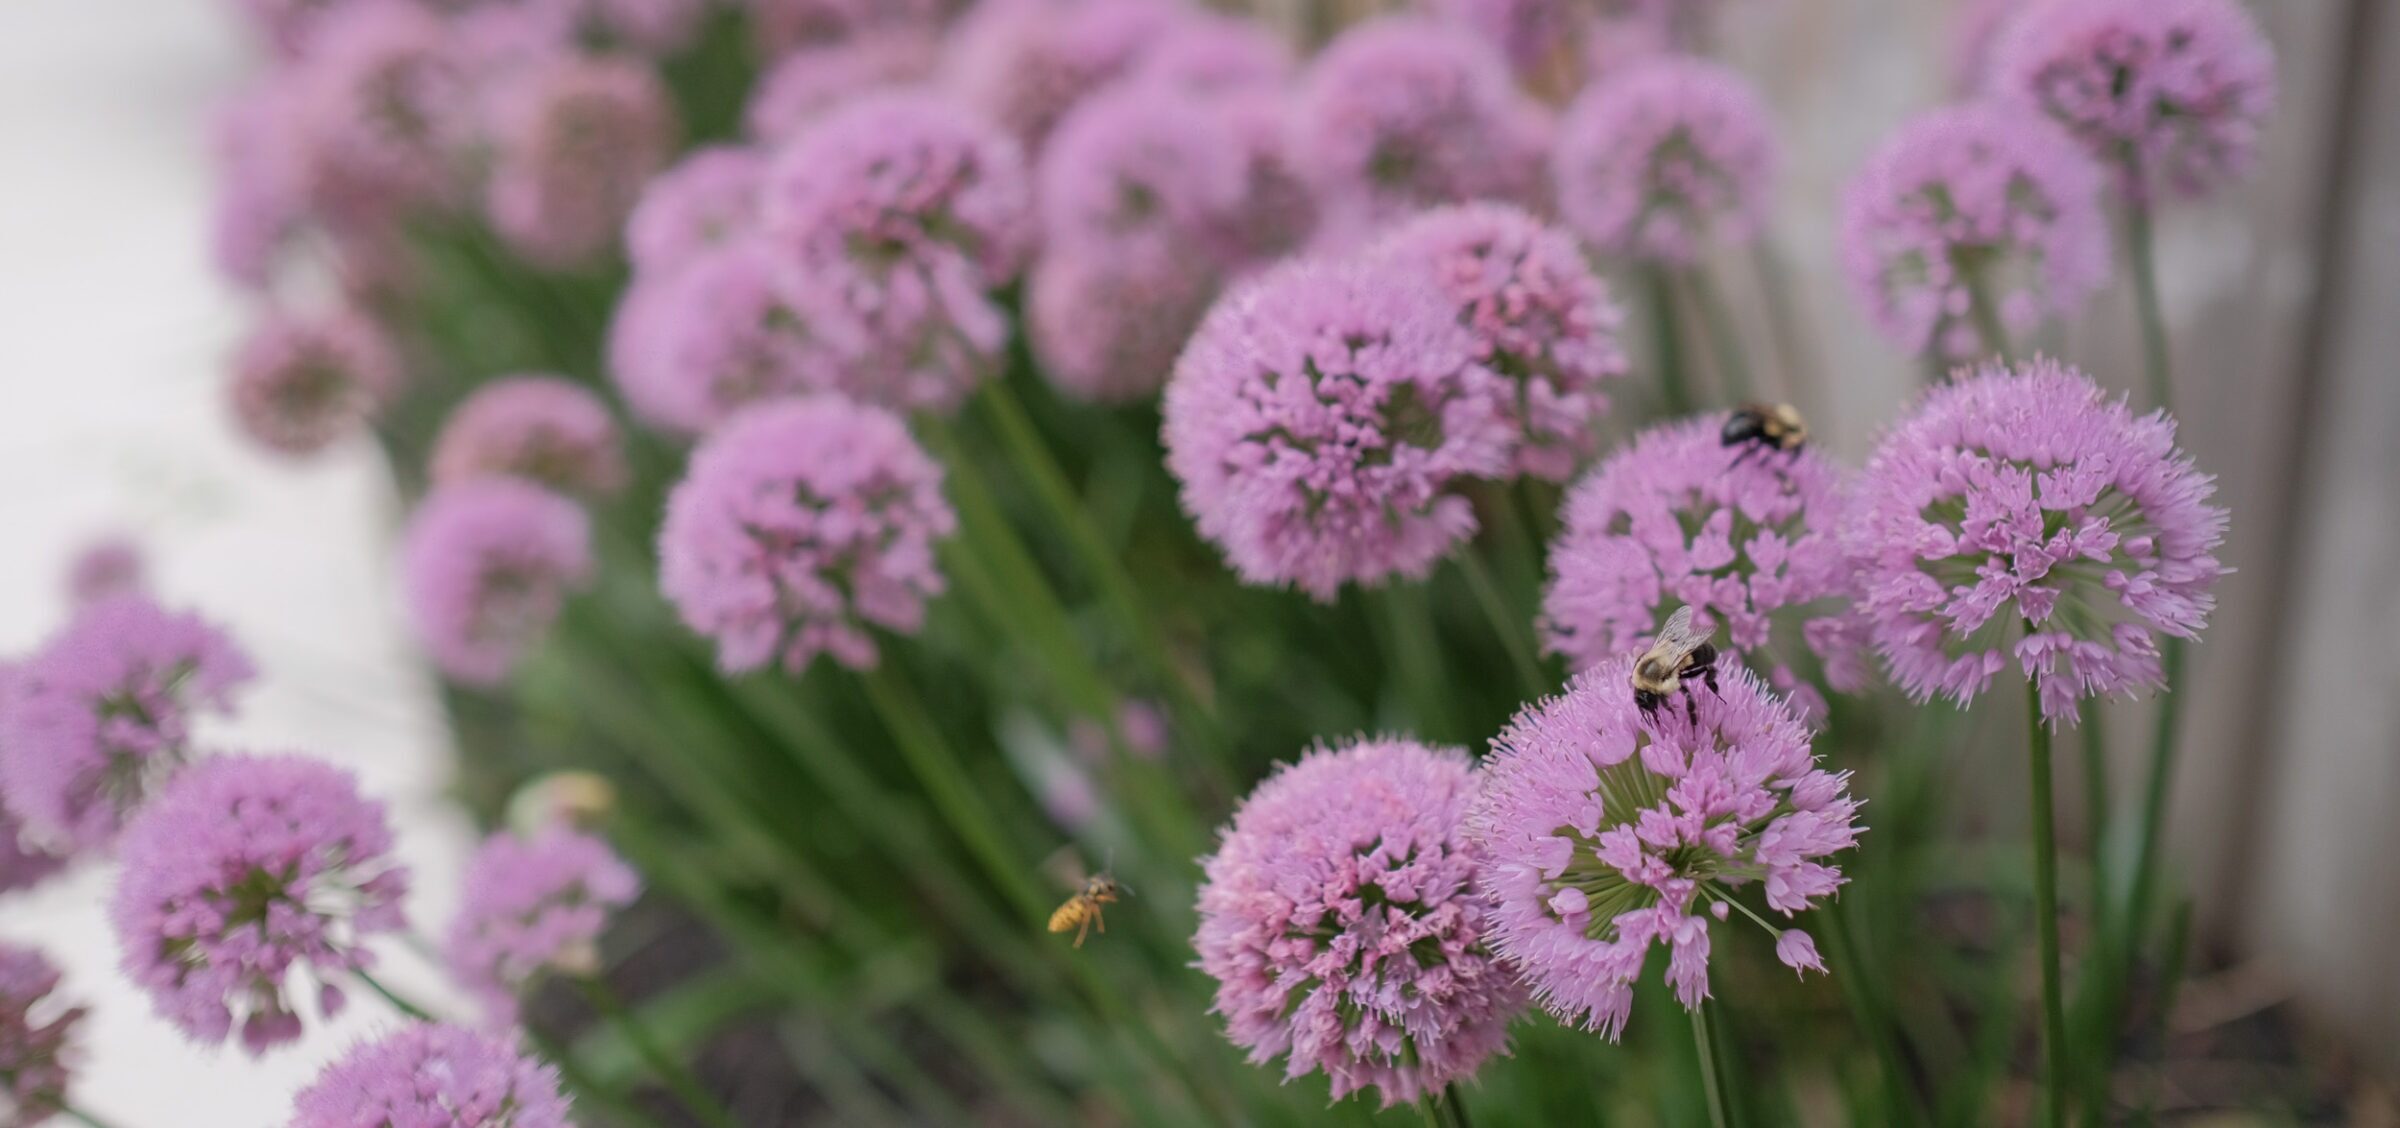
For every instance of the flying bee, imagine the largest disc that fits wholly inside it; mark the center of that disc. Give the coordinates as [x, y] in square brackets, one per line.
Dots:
[1760, 427]
[1082, 911]
[1680, 652]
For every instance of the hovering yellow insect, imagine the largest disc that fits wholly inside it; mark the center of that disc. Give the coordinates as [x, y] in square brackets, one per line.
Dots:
[1082, 911]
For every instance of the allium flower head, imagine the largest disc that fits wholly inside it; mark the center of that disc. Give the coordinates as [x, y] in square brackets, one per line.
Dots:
[1150, 172]
[1524, 30]
[299, 383]
[1542, 320]
[809, 83]
[427, 1076]
[651, 27]
[1321, 421]
[1665, 159]
[1278, 212]
[1217, 53]
[798, 525]
[1107, 329]
[36, 1031]
[23, 864]
[108, 566]
[1606, 830]
[261, 186]
[1339, 919]
[733, 327]
[532, 905]
[248, 873]
[1977, 28]
[1403, 113]
[383, 103]
[103, 713]
[2170, 93]
[1981, 195]
[1751, 542]
[707, 199]
[543, 429]
[787, 27]
[2021, 514]
[1027, 62]
[575, 138]
[488, 564]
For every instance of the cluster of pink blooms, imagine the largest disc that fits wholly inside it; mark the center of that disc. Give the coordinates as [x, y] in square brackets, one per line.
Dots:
[542, 429]
[2020, 516]
[812, 80]
[488, 564]
[531, 905]
[1979, 202]
[574, 140]
[2171, 94]
[799, 525]
[300, 383]
[1027, 62]
[434, 1076]
[727, 328]
[102, 714]
[1666, 160]
[1606, 830]
[1341, 922]
[36, 1032]
[1750, 541]
[246, 874]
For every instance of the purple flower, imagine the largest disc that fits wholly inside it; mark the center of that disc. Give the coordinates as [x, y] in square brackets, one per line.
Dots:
[261, 181]
[245, 874]
[1339, 920]
[798, 525]
[1541, 318]
[1217, 53]
[1403, 113]
[533, 905]
[488, 564]
[2021, 513]
[808, 83]
[1986, 196]
[106, 567]
[35, 1033]
[574, 140]
[786, 27]
[1278, 211]
[651, 27]
[1148, 173]
[1606, 830]
[733, 327]
[1322, 420]
[1664, 159]
[1750, 541]
[299, 383]
[23, 865]
[382, 106]
[2169, 93]
[1977, 29]
[1027, 62]
[1524, 30]
[426, 1076]
[705, 200]
[1107, 329]
[543, 429]
[103, 713]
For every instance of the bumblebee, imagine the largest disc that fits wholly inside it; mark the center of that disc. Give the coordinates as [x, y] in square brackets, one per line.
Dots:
[1082, 911]
[1680, 652]
[1761, 427]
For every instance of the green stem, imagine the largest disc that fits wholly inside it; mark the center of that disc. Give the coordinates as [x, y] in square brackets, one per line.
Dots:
[1674, 390]
[587, 1090]
[1410, 641]
[944, 777]
[2155, 360]
[1725, 341]
[1456, 1103]
[2045, 906]
[402, 1005]
[1868, 1011]
[2154, 799]
[1513, 634]
[678, 1077]
[84, 1118]
[1712, 1079]
[1986, 315]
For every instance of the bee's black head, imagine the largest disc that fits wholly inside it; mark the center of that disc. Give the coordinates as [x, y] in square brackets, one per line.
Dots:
[1646, 700]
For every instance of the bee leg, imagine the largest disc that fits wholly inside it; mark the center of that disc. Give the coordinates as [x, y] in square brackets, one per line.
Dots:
[1082, 929]
[1748, 448]
[1100, 922]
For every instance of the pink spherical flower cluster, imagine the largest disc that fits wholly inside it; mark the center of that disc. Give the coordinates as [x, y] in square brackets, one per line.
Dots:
[382, 107]
[2170, 93]
[1665, 159]
[798, 525]
[1339, 919]
[247, 872]
[2021, 514]
[808, 83]
[1322, 421]
[1147, 173]
[543, 429]
[574, 139]
[1606, 830]
[1107, 330]
[1981, 202]
[103, 713]
[36, 1031]
[1403, 113]
[1541, 317]
[735, 326]
[1524, 30]
[707, 199]
[532, 905]
[1217, 53]
[913, 209]
[428, 1076]
[299, 383]
[488, 564]
[1027, 62]
[1677, 518]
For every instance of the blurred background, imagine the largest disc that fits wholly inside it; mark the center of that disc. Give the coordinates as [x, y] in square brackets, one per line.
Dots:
[2283, 298]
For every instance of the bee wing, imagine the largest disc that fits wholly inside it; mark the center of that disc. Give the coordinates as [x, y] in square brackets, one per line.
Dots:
[1679, 637]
